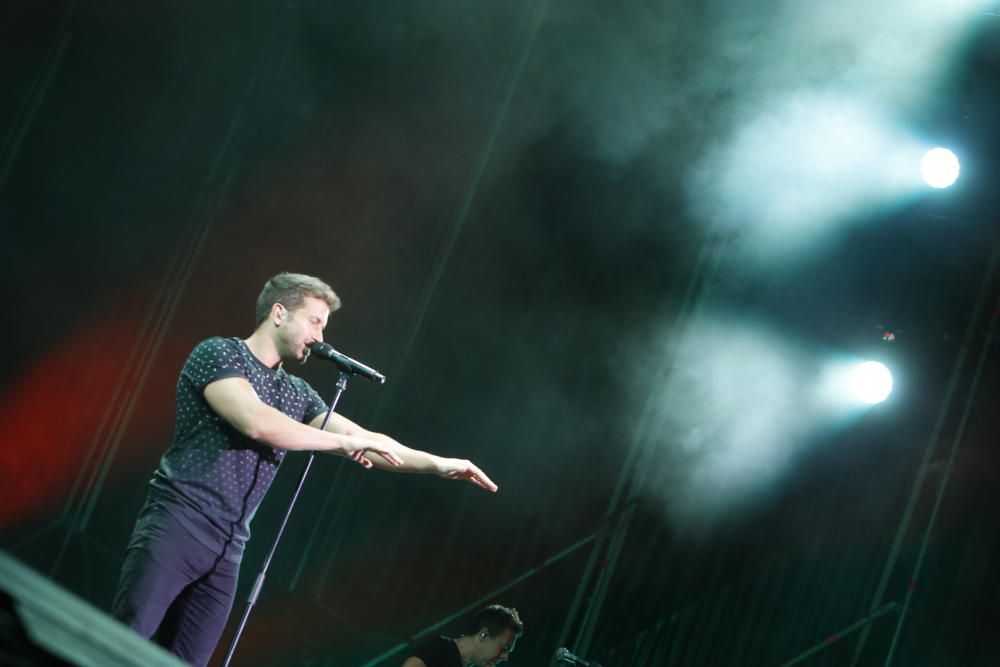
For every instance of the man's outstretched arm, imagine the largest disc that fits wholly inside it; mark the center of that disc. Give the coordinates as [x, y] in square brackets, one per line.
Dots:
[234, 400]
[413, 460]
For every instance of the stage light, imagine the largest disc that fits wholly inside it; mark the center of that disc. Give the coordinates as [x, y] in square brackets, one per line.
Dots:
[871, 382]
[940, 168]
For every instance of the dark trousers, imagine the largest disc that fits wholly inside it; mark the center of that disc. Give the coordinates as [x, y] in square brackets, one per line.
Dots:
[172, 583]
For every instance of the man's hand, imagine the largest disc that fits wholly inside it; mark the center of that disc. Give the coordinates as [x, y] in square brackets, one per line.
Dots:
[467, 470]
[356, 448]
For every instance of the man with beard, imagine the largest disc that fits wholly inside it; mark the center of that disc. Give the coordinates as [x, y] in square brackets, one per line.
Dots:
[238, 412]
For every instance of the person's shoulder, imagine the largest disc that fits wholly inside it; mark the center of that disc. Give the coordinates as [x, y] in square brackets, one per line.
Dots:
[436, 651]
[218, 343]
[216, 348]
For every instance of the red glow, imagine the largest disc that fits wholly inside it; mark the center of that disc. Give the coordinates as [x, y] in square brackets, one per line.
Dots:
[51, 415]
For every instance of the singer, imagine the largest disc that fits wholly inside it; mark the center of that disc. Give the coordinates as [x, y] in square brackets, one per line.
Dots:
[238, 412]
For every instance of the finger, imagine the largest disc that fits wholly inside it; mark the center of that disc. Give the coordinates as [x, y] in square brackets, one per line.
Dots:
[365, 461]
[387, 455]
[482, 477]
[485, 482]
[391, 457]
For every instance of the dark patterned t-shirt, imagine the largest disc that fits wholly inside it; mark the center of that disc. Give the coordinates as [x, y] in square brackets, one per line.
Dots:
[212, 477]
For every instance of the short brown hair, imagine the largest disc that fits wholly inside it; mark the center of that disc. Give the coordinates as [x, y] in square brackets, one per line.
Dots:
[291, 290]
[497, 618]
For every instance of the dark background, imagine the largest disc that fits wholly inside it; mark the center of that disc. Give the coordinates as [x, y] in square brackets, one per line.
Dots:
[509, 198]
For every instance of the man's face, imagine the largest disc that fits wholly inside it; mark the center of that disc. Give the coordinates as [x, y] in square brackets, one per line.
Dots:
[298, 328]
[494, 650]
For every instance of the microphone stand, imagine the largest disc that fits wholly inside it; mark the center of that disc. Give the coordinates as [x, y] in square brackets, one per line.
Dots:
[564, 655]
[259, 583]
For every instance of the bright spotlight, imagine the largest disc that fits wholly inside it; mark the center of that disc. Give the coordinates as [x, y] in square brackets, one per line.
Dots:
[871, 382]
[940, 168]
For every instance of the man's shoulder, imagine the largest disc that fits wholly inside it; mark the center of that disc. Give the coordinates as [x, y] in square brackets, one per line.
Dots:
[212, 357]
[217, 346]
[437, 652]
[219, 342]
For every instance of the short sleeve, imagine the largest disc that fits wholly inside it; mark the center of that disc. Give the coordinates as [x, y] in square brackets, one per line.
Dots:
[315, 405]
[211, 360]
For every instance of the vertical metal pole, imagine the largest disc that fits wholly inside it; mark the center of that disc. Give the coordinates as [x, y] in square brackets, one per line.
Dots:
[259, 582]
[931, 447]
[956, 443]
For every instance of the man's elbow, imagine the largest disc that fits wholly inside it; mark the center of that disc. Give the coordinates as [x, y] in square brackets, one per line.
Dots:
[253, 432]
[268, 429]
[253, 424]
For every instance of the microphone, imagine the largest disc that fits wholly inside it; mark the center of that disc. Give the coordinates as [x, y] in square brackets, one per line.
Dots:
[563, 655]
[326, 352]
